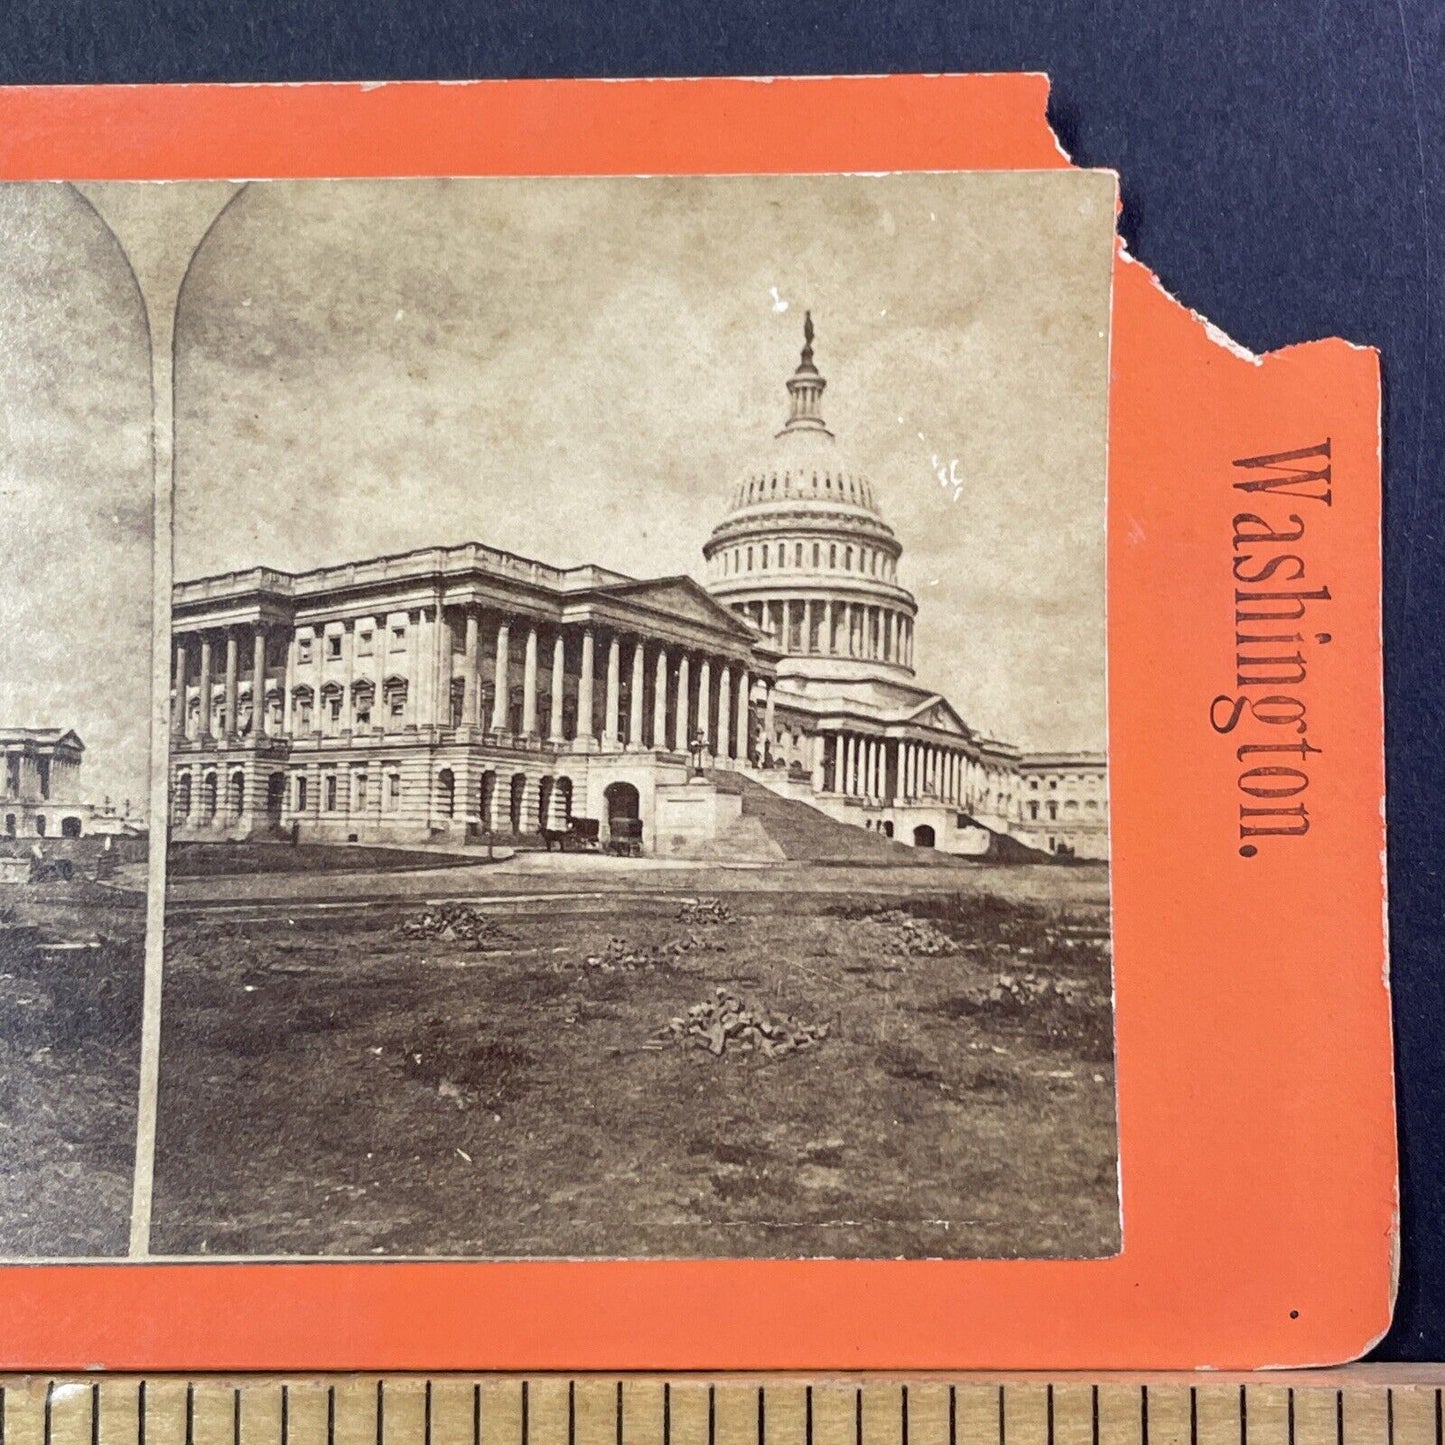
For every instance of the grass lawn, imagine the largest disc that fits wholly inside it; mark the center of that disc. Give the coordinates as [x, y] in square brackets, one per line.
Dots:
[337, 1086]
[69, 1068]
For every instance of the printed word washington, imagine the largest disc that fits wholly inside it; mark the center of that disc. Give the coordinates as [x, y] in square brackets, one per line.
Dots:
[1272, 643]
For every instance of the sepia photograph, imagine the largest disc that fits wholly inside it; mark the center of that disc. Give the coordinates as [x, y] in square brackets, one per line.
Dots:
[76, 550]
[637, 773]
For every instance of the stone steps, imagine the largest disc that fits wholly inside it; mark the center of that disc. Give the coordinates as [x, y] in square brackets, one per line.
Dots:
[806, 835]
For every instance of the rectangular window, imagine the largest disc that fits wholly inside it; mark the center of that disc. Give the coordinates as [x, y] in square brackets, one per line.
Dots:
[398, 637]
[393, 792]
[817, 548]
[359, 791]
[363, 643]
[301, 794]
[303, 649]
[329, 792]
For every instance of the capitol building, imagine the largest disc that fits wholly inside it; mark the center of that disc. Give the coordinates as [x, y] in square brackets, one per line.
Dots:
[459, 694]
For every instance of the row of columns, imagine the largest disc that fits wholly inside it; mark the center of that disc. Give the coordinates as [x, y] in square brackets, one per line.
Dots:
[895, 768]
[206, 680]
[821, 627]
[693, 695]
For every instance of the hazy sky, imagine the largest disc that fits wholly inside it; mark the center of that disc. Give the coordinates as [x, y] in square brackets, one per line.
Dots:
[578, 370]
[75, 487]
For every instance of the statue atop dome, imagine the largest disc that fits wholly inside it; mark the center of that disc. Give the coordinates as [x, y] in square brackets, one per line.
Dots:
[805, 390]
[807, 359]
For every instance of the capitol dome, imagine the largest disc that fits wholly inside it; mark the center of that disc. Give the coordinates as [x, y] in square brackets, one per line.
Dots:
[805, 554]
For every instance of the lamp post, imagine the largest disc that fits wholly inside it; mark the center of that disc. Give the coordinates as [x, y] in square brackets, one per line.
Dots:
[695, 747]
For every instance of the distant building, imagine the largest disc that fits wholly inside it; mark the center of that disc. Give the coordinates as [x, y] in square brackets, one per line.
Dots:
[42, 771]
[458, 691]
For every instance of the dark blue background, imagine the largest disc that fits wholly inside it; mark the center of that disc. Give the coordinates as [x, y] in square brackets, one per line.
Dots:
[1281, 167]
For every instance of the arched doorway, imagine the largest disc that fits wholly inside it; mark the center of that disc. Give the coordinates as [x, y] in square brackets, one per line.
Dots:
[562, 803]
[275, 797]
[446, 793]
[545, 793]
[183, 797]
[624, 818]
[923, 836]
[623, 801]
[887, 828]
[235, 795]
[70, 827]
[517, 801]
[40, 825]
[487, 798]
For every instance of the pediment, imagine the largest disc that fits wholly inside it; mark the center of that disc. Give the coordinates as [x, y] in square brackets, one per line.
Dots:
[937, 712]
[683, 599]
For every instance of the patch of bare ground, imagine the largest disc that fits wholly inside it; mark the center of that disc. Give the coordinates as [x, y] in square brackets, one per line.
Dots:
[71, 974]
[352, 1087]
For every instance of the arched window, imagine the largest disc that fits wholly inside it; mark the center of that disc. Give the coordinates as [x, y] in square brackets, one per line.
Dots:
[750, 559]
[446, 793]
[235, 794]
[301, 792]
[847, 559]
[798, 555]
[817, 549]
[458, 698]
[208, 796]
[183, 796]
[765, 557]
[832, 554]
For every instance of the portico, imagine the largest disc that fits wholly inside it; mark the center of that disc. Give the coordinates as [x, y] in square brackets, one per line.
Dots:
[409, 686]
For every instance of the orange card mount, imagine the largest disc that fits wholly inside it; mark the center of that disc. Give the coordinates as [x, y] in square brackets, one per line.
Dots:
[1245, 777]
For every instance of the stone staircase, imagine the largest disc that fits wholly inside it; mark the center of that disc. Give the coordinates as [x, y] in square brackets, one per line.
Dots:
[778, 828]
